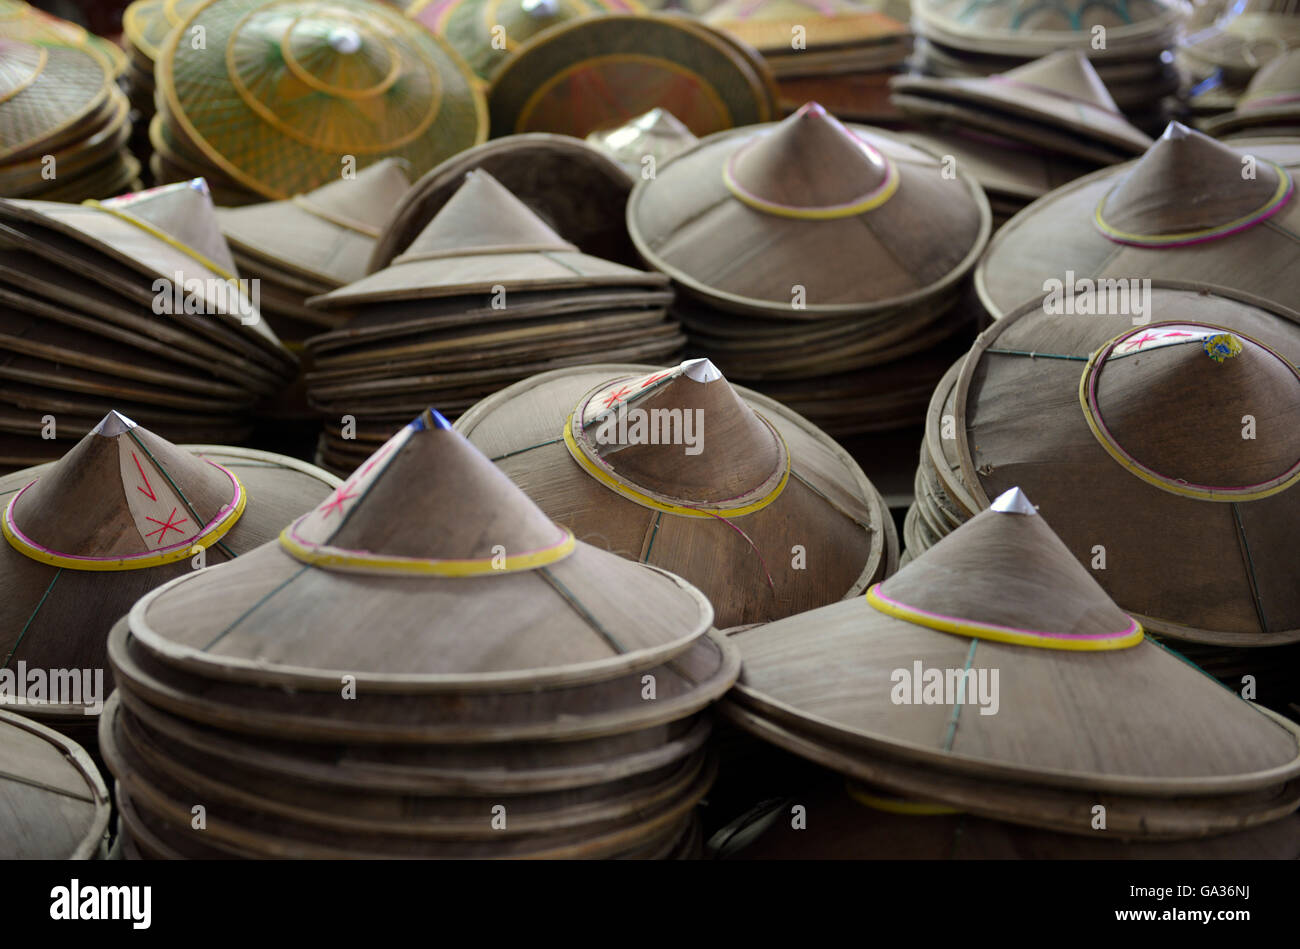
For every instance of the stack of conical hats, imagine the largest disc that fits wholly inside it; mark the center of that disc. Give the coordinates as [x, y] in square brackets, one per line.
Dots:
[1129, 45]
[569, 724]
[840, 53]
[1024, 132]
[657, 134]
[133, 303]
[1271, 104]
[823, 262]
[1247, 36]
[486, 295]
[282, 98]
[55, 802]
[122, 512]
[994, 675]
[145, 25]
[1191, 208]
[64, 123]
[312, 243]
[485, 33]
[677, 468]
[573, 186]
[1165, 455]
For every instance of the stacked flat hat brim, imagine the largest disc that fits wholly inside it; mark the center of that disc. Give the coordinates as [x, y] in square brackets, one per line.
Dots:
[738, 551]
[381, 86]
[1244, 39]
[125, 511]
[1048, 664]
[1270, 105]
[1240, 235]
[532, 738]
[596, 73]
[575, 188]
[58, 802]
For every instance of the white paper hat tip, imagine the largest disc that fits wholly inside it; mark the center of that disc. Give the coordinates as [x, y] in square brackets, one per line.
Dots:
[701, 370]
[113, 424]
[1175, 131]
[1013, 501]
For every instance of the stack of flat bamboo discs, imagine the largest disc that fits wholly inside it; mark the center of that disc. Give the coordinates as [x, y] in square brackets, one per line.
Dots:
[574, 187]
[1136, 220]
[569, 725]
[55, 802]
[957, 38]
[300, 92]
[1271, 105]
[1186, 494]
[865, 243]
[676, 468]
[596, 73]
[312, 243]
[486, 32]
[657, 134]
[21, 20]
[902, 690]
[145, 25]
[1052, 119]
[131, 303]
[64, 124]
[848, 821]
[487, 294]
[840, 53]
[122, 512]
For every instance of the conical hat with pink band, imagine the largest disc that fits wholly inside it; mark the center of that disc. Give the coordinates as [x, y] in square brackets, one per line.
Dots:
[432, 537]
[1271, 104]
[121, 513]
[997, 656]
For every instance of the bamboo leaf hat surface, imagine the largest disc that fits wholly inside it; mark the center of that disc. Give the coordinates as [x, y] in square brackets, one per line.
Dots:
[1057, 675]
[1271, 103]
[731, 512]
[1136, 220]
[122, 512]
[283, 92]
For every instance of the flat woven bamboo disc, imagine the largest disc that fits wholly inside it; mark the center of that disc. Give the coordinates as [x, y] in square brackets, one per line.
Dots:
[300, 87]
[146, 23]
[75, 160]
[1240, 235]
[1003, 585]
[486, 32]
[574, 188]
[44, 92]
[1271, 100]
[599, 72]
[834, 210]
[727, 518]
[768, 25]
[57, 804]
[122, 512]
[657, 134]
[1195, 540]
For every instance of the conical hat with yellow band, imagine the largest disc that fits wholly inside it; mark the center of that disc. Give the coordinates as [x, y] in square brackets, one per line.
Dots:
[121, 513]
[997, 656]
[288, 95]
[432, 537]
[676, 467]
[1271, 104]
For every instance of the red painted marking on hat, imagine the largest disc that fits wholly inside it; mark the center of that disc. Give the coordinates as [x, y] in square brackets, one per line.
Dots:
[147, 485]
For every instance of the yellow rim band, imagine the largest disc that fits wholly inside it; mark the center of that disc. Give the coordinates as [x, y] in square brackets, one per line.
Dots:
[894, 805]
[166, 239]
[1003, 634]
[870, 202]
[605, 478]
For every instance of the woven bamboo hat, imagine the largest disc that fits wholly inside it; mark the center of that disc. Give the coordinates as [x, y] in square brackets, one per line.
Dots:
[1057, 102]
[1135, 220]
[1004, 596]
[122, 512]
[1245, 37]
[20, 20]
[48, 94]
[730, 512]
[51, 787]
[816, 194]
[298, 88]
[768, 25]
[574, 187]
[642, 62]
[486, 32]
[658, 134]
[1271, 104]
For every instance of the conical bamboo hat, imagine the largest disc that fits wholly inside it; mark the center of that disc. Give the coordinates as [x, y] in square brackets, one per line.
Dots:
[1137, 220]
[657, 133]
[1271, 99]
[484, 237]
[296, 89]
[1005, 600]
[46, 93]
[1250, 34]
[467, 549]
[1060, 91]
[731, 512]
[1026, 28]
[120, 513]
[325, 235]
[22, 21]
[835, 210]
[1187, 490]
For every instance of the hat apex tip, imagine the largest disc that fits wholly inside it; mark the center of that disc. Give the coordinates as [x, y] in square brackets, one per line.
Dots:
[432, 420]
[1013, 501]
[701, 370]
[113, 424]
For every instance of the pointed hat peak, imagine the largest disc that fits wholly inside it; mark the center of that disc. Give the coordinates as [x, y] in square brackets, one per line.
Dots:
[1013, 501]
[183, 212]
[113, 424]
[1068, 73]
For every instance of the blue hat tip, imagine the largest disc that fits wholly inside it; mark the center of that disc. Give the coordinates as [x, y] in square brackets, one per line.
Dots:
[430, 419]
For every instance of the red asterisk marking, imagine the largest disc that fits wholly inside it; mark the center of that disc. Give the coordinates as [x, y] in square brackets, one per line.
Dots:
[653, 379]
[336, 502]
[1144, 338]
[170, 525]
[617, 396]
